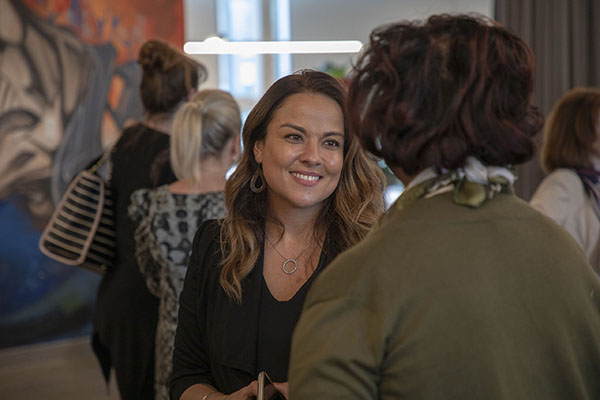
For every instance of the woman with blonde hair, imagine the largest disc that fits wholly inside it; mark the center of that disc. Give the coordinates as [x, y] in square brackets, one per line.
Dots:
[303, 192]
[204, 145]
[570, 194]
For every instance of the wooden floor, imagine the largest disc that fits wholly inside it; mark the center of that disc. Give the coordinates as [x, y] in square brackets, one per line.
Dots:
[53, 371]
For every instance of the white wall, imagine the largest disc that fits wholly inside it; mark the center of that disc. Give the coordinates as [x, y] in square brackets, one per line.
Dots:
[355, 19]
[328, 20]
[200, 21]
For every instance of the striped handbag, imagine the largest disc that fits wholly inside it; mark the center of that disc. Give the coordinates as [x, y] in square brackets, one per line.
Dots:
[81, 230]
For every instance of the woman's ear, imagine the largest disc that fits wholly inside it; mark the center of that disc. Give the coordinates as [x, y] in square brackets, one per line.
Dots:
[258, 150]
[191, 93]
[235, 150]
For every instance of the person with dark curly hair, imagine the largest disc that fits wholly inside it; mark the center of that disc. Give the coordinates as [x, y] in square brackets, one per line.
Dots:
[126, 314]
[462, 291]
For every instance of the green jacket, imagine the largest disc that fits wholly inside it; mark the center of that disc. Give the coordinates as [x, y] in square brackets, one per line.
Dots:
[443, 301]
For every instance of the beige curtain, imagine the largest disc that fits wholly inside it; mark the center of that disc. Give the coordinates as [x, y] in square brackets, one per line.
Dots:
[565, 38]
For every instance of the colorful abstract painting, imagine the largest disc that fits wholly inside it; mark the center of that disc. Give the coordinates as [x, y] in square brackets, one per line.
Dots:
[68, 83]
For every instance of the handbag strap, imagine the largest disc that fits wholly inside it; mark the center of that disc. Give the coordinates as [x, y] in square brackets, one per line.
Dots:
[101, 160]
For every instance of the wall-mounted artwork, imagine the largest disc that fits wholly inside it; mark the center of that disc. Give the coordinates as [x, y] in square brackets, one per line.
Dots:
[68, 83]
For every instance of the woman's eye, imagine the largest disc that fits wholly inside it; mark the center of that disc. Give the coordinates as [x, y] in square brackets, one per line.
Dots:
[293, 137]
[332, 143]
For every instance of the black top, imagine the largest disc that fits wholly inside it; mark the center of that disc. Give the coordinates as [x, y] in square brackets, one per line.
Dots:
[276, 323]
[126, 312]
[216, 342]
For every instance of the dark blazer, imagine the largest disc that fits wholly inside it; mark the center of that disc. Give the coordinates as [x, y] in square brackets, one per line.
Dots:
[216, 337]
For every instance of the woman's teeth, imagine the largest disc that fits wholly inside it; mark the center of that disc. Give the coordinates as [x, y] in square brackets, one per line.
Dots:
[305, 177]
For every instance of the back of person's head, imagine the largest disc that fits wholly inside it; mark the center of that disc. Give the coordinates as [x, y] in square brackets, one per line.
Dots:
[572, 130]
[431, 93]
[168, 76]
[202, 128]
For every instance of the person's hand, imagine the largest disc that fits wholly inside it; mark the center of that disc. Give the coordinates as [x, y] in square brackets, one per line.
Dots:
[282, 387]
[246, 393]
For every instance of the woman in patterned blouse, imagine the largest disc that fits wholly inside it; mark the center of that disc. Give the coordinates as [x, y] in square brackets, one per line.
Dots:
[204, 145]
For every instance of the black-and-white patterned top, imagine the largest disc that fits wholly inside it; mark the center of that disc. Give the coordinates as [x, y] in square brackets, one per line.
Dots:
[166, 223]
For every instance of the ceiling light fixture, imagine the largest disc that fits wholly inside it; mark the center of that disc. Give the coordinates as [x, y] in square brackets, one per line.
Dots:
[216, 45]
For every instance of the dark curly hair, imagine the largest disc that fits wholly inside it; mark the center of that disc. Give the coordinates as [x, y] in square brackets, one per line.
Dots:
[429, 94]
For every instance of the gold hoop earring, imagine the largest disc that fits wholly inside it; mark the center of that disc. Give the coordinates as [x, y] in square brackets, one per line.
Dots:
[257, 174]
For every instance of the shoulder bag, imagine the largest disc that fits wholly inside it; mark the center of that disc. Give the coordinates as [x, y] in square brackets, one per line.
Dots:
[81, 230]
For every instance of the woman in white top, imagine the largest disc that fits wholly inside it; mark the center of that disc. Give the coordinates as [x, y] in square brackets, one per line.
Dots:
[570, 194]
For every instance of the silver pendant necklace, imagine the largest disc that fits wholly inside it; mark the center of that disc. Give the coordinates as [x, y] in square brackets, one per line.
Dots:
[294, 261]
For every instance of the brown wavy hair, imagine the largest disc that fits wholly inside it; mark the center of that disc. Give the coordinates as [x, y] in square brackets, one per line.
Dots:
[429, 94]
[347, 214]
[571, 130]
[167, 76]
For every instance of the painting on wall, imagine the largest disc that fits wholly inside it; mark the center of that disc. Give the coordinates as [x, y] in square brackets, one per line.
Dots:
[68, 83]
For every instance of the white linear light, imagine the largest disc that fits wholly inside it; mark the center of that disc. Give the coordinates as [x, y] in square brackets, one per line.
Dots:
[216, 45]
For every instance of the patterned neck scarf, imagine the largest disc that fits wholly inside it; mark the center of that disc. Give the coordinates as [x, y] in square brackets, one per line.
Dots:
[472, 185]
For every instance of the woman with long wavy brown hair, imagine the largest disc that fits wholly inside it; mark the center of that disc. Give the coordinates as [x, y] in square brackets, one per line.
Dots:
[303, 192]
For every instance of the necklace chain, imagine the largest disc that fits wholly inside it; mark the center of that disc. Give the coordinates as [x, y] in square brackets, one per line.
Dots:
[288, 260]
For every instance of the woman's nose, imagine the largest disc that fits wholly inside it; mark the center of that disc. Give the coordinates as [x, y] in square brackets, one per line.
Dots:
[310, 153]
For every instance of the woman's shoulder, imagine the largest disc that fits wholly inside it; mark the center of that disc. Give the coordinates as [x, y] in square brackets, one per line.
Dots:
[206, 251]
[561, 185]
[196, 208]
[563, 175]
[211, 205]
[137, 136]
[202, 198]
[144, 198]
[207, 237]
[129, 135]
[208, 229]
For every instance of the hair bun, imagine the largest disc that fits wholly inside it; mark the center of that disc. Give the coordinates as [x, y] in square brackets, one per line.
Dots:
[167, 76]
[154, 55]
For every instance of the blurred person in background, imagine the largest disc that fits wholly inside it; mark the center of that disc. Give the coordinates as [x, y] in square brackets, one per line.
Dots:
[303, 192]
[126, 312]
[462, 291]
[205, 142]
[570, 194]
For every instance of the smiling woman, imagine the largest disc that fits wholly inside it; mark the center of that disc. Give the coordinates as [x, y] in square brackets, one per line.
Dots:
[303, 192]
[302, 153]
